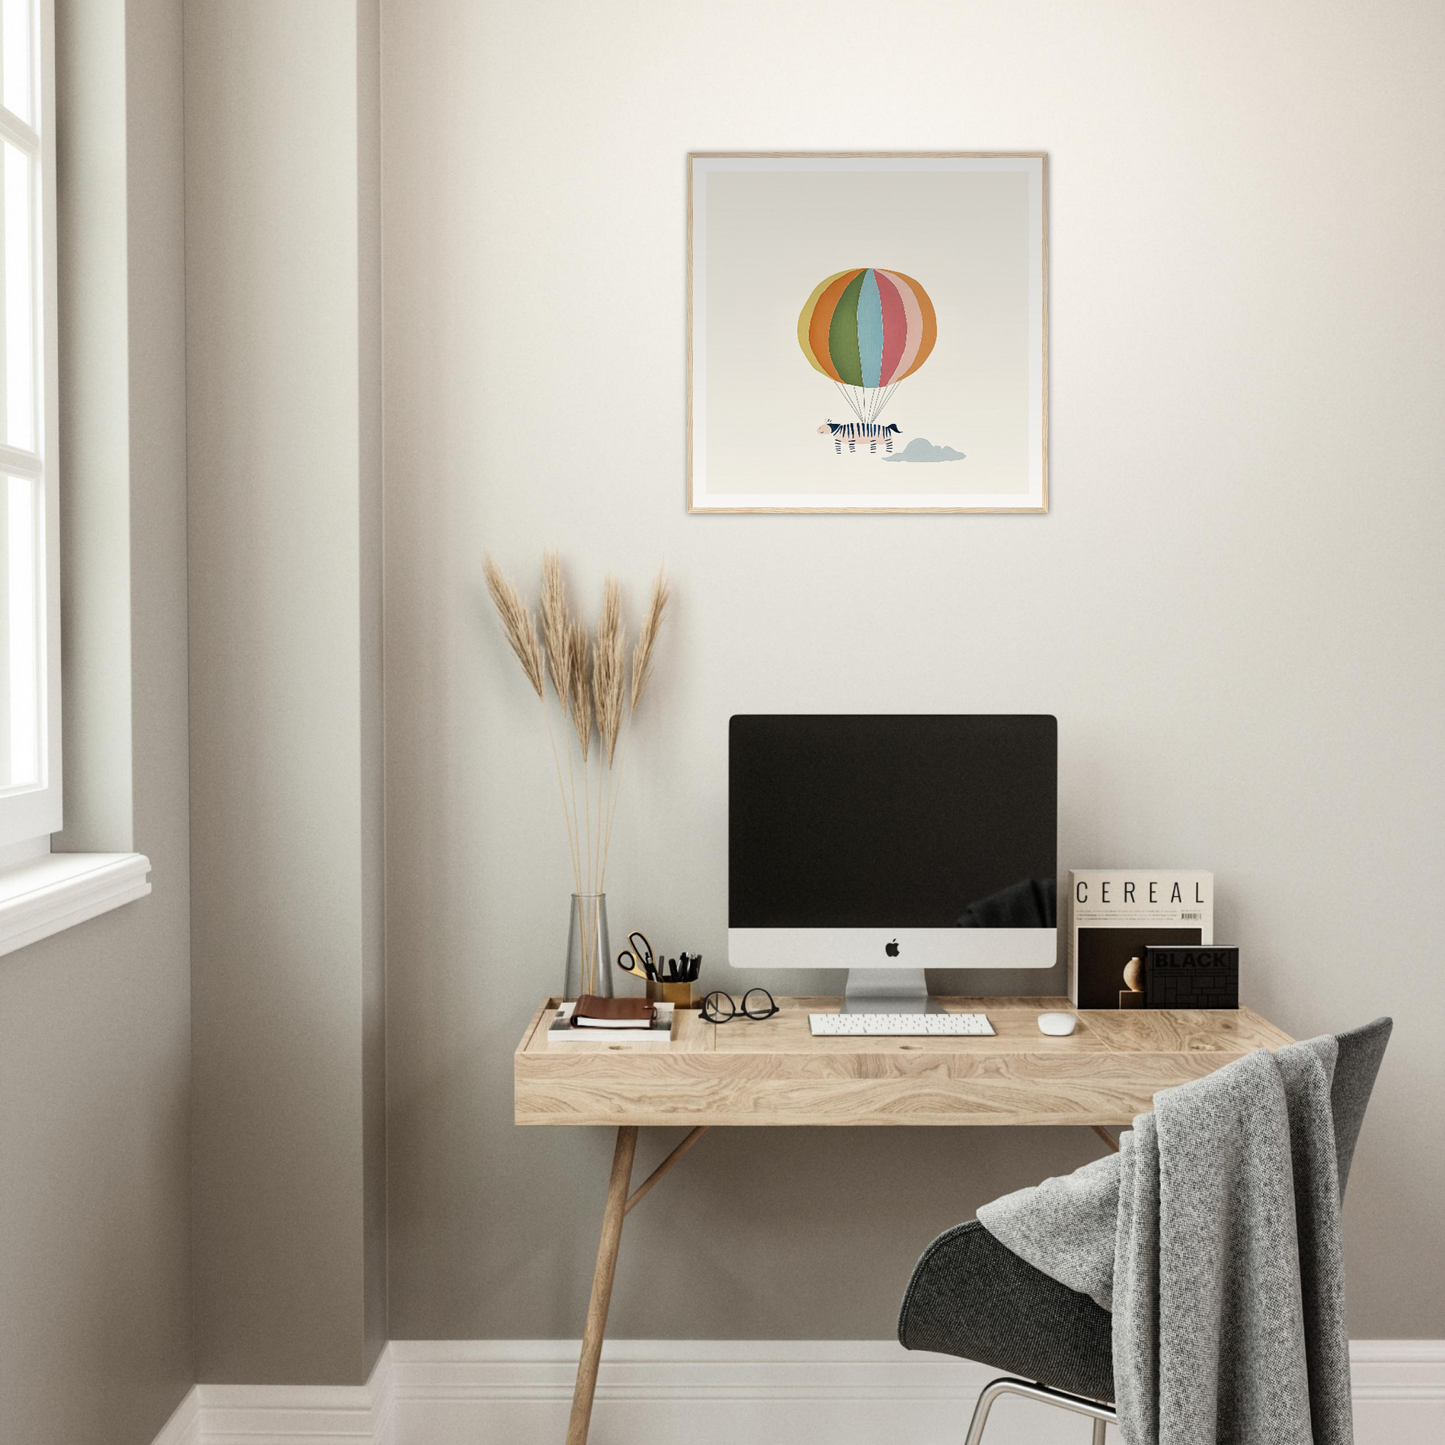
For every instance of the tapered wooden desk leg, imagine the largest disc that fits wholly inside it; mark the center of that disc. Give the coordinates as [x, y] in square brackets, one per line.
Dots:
[612, 1217]
[1106, 1136]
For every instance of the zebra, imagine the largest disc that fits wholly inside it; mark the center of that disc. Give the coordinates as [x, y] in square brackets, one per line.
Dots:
[853, 432]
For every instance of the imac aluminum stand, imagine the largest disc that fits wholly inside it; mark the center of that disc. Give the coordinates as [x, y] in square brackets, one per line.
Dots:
[887, 991]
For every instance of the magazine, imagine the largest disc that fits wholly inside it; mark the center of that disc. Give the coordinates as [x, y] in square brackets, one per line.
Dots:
[1115, 912]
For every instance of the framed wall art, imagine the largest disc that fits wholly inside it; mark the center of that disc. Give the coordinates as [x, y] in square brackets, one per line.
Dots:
[867, 333]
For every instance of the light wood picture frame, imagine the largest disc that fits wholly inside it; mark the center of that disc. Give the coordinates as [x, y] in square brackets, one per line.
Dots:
[852, 315]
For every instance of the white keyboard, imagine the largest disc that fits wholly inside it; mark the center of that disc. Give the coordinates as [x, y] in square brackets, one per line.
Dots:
[912, 1026]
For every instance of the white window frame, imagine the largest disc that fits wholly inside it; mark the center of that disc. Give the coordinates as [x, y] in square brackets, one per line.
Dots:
[29, 815]
[42, 892]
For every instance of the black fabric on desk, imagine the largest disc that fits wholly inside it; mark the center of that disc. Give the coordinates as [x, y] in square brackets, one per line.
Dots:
[1029, 904]
[970, 1296]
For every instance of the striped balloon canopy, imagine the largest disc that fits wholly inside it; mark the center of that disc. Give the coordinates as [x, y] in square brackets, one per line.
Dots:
[867, 327]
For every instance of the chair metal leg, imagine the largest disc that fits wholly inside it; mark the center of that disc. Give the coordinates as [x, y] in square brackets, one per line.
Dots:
[980, 1411]
[1099, 1413]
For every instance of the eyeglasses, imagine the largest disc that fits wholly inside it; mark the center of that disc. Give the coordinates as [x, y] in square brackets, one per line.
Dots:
[719, 1008]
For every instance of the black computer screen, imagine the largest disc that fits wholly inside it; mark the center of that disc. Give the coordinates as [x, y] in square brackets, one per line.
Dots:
[932, 821]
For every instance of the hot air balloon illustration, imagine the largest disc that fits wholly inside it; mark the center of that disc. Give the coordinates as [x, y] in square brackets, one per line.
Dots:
[866, 330]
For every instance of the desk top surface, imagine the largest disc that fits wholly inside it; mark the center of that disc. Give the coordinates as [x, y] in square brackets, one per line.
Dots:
[772, 1072]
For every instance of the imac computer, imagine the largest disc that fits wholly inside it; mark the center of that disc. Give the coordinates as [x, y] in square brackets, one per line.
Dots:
[890, 844]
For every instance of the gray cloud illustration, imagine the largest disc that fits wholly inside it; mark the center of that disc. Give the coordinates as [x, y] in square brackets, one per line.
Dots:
[920, 449]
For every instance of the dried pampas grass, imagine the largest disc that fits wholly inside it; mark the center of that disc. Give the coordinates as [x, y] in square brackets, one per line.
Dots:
[579, 685]
[589, 681]
[516, 622]
[609, 670]
[556, 635]
[647, 636]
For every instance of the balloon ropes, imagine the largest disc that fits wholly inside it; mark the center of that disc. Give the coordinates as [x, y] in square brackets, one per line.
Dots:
[866, 330]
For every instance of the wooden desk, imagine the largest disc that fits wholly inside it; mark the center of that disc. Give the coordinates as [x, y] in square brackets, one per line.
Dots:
[773, 1072]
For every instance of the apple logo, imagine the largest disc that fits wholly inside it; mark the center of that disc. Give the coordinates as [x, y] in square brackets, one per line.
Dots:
[891, 949]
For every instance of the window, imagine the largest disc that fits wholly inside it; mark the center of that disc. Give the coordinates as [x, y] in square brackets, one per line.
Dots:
[30, 797]
[41, 892]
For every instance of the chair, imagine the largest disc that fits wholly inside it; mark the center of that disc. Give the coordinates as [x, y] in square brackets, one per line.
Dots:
[971, 1296]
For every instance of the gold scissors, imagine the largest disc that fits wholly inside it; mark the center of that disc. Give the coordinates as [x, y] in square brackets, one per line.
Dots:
[638, 957]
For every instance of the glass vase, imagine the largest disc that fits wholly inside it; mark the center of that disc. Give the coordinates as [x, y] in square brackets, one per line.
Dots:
[589, 953]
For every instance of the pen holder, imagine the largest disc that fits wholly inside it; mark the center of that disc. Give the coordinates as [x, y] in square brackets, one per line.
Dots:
[679, 994]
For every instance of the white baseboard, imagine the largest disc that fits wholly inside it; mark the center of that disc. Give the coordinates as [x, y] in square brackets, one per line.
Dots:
[288, 1414]
[712, 1392]
[184, 1427]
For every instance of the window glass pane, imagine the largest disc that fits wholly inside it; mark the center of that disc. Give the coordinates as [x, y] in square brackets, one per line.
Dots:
[18, 392]
[17, 50]
[20, 654]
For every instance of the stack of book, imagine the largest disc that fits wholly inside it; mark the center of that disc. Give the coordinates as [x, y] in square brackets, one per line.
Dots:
[1116, 914]
[591, 1029]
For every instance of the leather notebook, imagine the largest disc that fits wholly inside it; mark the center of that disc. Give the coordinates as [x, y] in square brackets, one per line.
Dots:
[593, 1012]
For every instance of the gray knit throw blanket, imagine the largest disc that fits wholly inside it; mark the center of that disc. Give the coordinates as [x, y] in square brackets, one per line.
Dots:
[1214, 1237]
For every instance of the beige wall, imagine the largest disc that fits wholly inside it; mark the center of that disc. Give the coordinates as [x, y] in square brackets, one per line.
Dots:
[282, 318]
[95, 1344]
[1234, 606]
[1235, 609]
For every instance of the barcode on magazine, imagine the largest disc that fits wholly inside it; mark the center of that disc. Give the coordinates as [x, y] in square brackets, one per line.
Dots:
[1196, 916]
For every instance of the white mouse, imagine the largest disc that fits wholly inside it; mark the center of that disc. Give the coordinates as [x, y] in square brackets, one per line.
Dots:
[1057, 1023]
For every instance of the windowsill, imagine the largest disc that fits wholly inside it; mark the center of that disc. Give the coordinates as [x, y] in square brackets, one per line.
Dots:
[60, 890]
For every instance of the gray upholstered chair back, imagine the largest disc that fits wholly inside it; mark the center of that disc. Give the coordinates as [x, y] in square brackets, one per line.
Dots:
[1359, 1061]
